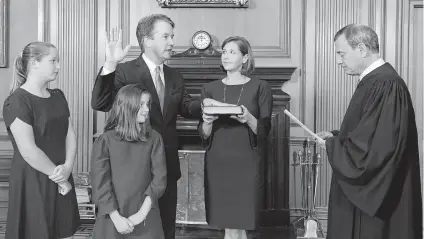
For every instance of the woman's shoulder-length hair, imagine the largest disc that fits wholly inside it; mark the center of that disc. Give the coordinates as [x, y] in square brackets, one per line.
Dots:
[244, 46]
[123, 115]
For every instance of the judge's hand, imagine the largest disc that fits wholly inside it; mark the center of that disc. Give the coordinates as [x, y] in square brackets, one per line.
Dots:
[320, 143]
[325, 135]
[64, 188]
[60, 174]
[245, 117]
[114, 52]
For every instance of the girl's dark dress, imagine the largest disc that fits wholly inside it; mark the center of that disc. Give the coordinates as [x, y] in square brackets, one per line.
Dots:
[124, 173]
[234, 159]
[36, 209]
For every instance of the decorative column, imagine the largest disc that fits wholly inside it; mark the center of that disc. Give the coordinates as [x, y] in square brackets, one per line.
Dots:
[73, 29]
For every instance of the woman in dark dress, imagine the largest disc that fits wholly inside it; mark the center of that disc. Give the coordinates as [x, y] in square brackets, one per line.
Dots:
[233, 162]
[42, 199]
[128, 171]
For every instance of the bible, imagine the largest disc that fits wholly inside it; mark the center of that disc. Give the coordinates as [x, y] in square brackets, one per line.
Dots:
[223, 110]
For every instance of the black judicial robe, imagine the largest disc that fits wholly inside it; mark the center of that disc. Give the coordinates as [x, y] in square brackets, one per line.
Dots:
[375, 188]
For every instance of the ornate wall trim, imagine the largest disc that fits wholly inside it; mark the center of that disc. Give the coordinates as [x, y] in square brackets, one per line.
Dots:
[282, 50]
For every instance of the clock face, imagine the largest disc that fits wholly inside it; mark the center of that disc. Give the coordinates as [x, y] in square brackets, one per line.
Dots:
[201, 40]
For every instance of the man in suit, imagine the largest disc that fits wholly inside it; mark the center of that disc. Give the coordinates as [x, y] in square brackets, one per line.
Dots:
[155, 35]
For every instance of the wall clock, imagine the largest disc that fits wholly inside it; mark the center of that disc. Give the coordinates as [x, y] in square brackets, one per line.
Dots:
[201, 40]
[201, 46]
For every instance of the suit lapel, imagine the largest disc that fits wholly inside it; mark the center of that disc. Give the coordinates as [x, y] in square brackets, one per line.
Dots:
[146, 79]
[169, 85]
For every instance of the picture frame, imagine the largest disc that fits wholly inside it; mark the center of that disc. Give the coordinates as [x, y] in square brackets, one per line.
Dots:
[4, 33]
[203, 3]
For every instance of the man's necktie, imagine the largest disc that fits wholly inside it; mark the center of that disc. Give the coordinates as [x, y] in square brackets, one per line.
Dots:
[160, 88]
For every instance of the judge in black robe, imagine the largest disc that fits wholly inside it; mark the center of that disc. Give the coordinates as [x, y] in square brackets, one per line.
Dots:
[375, 189]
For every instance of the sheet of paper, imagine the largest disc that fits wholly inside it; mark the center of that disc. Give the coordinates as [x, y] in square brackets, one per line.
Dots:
[301, 124]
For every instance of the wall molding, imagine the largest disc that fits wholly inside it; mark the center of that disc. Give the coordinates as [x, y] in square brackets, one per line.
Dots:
[43, 20]
[302, 90]
[405, 33]
[377, 15]
[6, 154]
[3, 133]
[282, 50]
[4, 136]
[4, 197]
[308, 86]
[124, 21]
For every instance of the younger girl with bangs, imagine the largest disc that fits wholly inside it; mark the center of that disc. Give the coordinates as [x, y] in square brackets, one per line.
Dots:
[128, 170]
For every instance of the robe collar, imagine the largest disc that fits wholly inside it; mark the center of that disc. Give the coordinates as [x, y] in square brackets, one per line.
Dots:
[372, 67]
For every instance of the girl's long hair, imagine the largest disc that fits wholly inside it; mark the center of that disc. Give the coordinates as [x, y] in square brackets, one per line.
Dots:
[123, 115]
[34, 50]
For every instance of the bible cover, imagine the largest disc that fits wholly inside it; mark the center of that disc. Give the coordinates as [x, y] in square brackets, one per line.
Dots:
[223, 110]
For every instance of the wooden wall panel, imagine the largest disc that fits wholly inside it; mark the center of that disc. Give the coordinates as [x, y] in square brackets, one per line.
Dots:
[333, 87]
[4, 198]
[411, 64]
[266, 24]
[407, 58]
[417, 73]
[6, 153]
[73, 28]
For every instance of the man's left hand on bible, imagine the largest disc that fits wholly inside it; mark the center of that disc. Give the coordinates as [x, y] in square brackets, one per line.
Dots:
[212, 102]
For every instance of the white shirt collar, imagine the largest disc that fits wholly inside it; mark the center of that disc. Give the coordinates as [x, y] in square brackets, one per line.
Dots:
[152, 66]
[372, 67]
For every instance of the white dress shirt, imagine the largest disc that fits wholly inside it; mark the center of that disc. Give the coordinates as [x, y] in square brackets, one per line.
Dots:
[152, 68]
[372, 67]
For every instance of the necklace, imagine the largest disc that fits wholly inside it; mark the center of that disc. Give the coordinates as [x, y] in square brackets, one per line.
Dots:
[241, 91]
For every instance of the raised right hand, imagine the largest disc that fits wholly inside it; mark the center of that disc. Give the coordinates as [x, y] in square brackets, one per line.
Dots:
[114, 52]
[122, 224]
[325, 135]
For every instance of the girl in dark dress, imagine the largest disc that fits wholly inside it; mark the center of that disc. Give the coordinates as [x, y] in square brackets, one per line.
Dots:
[234, 145]
[128, 171]
[42, 199]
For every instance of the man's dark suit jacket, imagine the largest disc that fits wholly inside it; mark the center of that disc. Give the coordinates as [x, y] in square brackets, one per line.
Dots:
[177, 101]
